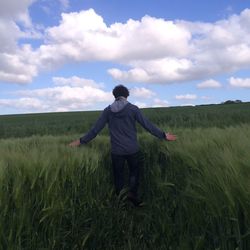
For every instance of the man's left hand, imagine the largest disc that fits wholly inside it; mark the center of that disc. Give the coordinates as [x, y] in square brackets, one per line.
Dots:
[170, 137]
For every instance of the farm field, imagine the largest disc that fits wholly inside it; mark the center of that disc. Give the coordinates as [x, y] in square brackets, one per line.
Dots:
[196, 190]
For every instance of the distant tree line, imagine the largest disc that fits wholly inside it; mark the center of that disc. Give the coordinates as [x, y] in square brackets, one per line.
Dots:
[232, 102]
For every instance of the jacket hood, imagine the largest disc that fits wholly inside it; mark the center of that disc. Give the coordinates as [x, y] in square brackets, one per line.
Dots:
[119, 104]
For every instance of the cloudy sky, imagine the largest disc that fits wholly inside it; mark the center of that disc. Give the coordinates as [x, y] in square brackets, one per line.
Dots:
[65, 55]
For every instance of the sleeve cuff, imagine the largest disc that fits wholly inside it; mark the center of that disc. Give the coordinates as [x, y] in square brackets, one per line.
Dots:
[164, 135]
[81, 141]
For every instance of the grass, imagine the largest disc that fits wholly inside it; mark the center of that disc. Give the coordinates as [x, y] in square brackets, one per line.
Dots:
[77, 122]
[196, 190]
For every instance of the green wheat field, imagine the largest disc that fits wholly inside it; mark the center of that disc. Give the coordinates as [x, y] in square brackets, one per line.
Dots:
[196, 190]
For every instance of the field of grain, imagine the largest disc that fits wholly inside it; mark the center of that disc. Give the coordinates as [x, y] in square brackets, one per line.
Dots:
[196, 190]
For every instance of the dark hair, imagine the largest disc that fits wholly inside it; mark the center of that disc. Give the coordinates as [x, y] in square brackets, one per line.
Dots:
[120, 90]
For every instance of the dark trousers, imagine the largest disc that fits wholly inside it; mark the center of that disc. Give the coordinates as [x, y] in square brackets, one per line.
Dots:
[134, 165]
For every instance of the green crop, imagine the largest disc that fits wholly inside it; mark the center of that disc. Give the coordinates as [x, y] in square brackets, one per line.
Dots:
[77, 122]
[196, 190]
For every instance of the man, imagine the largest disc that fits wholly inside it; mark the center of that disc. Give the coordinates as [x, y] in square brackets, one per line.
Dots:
[121, 117]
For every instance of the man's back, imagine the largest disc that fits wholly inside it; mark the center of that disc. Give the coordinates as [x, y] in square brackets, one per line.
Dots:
[122, 129]
[121, 117]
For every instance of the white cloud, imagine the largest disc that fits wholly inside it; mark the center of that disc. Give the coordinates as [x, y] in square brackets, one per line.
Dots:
[156, 102]
[187, 104]
[142, 92]
[9, 33]
[160, 103]
[209, 84]
[70, 98]
[19, 67]
[76, 81]
[66, 97]
[24, 103]
[141, 104]
[214, 48]
[239, 82]
[13, 9]
[186, 97]
[94, 40]
[153, 49]
[18, 64]
[166, 70]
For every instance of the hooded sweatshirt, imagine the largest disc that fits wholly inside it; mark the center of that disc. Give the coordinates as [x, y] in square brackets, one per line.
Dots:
[121, 117]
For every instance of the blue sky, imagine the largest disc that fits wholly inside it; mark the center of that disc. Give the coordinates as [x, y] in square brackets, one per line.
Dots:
[66, 55]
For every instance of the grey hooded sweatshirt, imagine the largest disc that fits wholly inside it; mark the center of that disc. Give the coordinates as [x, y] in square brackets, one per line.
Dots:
[121, 117]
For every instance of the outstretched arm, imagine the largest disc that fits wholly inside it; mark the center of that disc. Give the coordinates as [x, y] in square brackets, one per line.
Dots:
[98, 126]
[151, 128]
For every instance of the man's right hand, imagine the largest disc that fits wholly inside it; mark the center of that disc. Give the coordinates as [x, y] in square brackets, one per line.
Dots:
[170, 137]
[76, 143]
